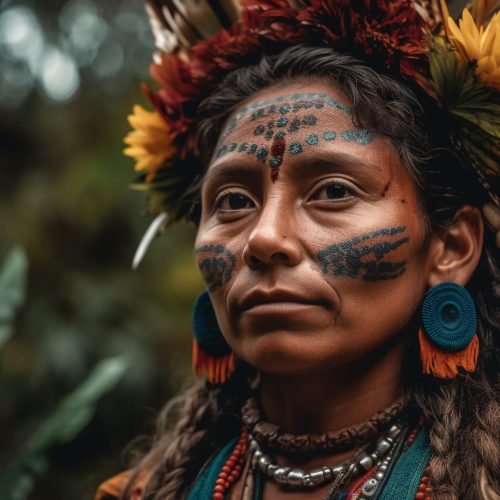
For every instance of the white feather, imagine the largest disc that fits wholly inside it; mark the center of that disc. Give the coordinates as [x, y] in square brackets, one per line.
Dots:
[201, 15]
[172, 23]
[164, 39]
[157, 226]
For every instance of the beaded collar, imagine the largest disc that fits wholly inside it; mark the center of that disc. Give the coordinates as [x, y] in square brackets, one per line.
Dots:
[275, 438]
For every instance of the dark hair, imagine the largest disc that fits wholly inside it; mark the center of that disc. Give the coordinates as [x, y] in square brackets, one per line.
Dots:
[463, 413]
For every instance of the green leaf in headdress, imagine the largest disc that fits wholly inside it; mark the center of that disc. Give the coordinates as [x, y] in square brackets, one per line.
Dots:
[474, 109]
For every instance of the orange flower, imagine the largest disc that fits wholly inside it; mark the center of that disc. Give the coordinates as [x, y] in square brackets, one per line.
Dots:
[151, 141]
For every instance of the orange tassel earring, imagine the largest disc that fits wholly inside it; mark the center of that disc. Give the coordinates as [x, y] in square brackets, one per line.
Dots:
[448, 338]
[212, 356]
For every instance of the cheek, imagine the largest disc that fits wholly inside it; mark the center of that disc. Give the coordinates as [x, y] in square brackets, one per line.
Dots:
[380, 277]
[216, 263]
[373, 256]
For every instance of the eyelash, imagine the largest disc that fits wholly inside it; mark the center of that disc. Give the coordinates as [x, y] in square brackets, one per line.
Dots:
[344, 185]
[225, 194]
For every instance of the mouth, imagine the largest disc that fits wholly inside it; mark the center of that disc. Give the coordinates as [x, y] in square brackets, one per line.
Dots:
[277, 301]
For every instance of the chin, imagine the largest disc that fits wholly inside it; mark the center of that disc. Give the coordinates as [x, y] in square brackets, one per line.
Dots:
[283, 352]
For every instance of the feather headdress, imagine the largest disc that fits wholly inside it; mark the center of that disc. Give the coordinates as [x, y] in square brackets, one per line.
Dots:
[200, 41]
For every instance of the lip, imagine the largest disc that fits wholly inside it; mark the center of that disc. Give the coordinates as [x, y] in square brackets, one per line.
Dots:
[276, 301]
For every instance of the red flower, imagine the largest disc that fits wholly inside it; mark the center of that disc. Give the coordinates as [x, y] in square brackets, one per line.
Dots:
[388, 34]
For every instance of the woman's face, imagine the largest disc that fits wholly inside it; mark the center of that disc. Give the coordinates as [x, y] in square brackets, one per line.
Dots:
[311, 241]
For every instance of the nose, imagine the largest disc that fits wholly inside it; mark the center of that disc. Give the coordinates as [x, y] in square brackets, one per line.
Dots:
[273, 240]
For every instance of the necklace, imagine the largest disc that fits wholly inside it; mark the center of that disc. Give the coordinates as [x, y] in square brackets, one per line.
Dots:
[298, 478]
[371, 483]
[274, 437]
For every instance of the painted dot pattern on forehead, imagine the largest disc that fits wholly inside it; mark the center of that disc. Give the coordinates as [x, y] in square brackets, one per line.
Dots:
[312, 139]
[278, 118]
[360, 136]
[295, 148]
[285, 104]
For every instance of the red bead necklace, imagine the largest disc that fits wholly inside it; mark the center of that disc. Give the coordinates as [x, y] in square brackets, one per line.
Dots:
[424, 489]
[232, 468]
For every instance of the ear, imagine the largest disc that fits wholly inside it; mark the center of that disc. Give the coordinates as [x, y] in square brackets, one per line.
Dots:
[454, 251]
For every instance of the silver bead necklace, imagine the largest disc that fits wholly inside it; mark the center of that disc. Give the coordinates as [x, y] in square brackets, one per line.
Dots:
[371, 486]
[298, 478]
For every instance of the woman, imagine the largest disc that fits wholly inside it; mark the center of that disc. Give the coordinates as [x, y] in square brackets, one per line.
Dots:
[340, 235]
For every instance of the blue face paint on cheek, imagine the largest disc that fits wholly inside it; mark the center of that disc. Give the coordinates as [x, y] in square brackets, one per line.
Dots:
[216, 264]
[363, 257]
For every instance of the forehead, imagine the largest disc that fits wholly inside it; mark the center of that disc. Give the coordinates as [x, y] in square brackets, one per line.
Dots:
[290, 120]
[289, 110]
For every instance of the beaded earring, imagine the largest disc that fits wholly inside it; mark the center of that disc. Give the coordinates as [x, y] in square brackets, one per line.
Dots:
[448, 336]
[212, 355]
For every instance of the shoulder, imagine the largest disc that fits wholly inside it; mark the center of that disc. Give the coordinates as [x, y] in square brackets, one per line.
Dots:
[112, 488]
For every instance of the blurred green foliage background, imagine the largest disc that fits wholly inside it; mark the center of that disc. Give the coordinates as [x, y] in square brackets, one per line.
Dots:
[69, 75]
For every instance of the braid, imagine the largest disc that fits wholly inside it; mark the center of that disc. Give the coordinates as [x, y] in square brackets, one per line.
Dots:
[463, 434]
[190, 428]
[462, 413]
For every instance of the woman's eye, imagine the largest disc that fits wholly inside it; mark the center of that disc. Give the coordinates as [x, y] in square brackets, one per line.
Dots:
[333, 191]
[233, 201]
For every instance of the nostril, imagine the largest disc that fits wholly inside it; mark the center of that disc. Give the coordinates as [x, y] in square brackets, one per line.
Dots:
[254, 262]
[280, 256]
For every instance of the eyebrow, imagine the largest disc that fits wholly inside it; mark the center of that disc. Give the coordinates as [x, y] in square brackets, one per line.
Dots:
[324, 161]
[319, 162]
[235, 167]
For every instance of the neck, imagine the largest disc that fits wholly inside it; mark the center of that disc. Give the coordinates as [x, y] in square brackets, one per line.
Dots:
[330, 401]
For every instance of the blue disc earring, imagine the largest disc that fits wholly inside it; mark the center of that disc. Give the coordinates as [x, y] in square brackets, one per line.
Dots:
[212, 355]
[448, 338]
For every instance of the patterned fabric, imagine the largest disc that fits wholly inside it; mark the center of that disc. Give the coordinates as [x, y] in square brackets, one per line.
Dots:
[408, 470]
[204, 485]
[402, 484]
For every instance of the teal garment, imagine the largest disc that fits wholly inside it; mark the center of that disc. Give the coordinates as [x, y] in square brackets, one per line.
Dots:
[407, 473]
[401, 485]
[204, 485]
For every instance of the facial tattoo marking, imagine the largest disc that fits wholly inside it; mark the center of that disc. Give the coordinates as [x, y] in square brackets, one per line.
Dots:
[216, 264]
[357, 259]
[278, 120]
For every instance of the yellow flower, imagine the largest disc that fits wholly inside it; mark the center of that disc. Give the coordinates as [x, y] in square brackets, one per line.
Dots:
[478, 44]
[151, 141]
